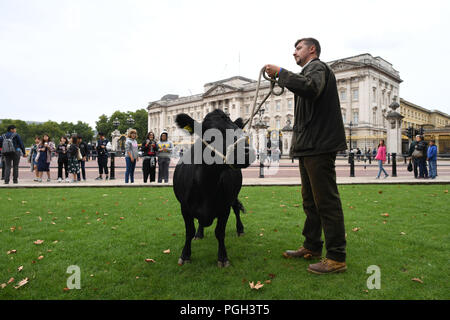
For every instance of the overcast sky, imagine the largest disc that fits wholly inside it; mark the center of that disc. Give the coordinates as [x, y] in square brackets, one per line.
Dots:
[70, 60]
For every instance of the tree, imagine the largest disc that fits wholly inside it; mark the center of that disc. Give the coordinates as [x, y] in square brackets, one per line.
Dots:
[105, 123]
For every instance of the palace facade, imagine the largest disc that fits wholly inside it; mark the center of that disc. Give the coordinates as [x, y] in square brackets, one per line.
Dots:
[367, 85]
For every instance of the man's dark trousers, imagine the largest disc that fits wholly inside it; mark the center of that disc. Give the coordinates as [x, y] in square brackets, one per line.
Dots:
[12, 160]
[102, 164]
[322, 205]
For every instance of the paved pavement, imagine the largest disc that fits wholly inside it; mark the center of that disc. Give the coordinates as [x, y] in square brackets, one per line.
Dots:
[283, 173]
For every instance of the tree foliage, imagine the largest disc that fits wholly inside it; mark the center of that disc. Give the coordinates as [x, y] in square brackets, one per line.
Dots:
[28, 131]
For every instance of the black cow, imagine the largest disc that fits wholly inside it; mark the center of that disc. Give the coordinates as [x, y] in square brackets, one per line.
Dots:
[208, 190]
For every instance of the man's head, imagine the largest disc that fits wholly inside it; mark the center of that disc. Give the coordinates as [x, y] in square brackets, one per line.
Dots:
[101, 135]
[12, 128]
[419, 138]
[305, 50]
[432, 142]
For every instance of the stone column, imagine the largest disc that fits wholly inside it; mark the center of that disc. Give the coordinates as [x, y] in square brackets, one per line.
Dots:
[394, 130]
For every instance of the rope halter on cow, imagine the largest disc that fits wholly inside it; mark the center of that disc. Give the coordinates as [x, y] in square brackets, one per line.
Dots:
[272, 83]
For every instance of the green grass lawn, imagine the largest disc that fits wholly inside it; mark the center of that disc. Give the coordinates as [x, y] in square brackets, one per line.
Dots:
[109, 232]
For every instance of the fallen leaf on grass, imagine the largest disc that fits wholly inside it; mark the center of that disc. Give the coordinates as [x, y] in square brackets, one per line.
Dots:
[40, 257]
[402, 233]
[38, 241]
[256, 286]
[271, 275]
[385, 214]
[121, 218]
[150, 260]
[355, 229]
[21, 283]
[417, 280]
[40, 219]
[282, 205]
[166, 251]
[3, 285]
[66, 289]
[446, 191]
[10, 280]
[20, 268]
[268, 281]
[11, 251]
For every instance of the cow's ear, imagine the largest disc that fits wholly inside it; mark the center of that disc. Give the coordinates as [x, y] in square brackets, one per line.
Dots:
[184, 121]
[239, 122]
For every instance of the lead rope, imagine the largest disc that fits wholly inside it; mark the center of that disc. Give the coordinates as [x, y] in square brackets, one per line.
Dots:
[273, 82]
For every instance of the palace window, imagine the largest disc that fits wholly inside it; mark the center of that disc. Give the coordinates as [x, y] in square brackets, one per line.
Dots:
[278, 105]
[343, 95]
[355, 94]
[355, 117]
[290, 104]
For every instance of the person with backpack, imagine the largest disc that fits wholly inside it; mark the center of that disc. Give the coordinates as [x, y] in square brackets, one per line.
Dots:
[419, 154]
[12, 146]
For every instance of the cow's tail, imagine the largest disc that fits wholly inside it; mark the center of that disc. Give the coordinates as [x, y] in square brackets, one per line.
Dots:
[238, 206]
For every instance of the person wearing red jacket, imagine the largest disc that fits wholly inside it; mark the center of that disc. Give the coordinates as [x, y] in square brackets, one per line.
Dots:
[381, 157]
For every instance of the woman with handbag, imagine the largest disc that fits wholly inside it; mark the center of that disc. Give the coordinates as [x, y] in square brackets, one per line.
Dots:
[381, 157]
[149, 147]
[45, 148]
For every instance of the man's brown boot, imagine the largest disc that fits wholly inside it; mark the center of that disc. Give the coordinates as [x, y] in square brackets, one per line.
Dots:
[302, 252]
[327, 266]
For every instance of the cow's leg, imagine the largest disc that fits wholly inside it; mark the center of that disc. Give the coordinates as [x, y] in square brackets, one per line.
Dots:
[220, 235]
[199, 234]
[190, 232]
[237, 207]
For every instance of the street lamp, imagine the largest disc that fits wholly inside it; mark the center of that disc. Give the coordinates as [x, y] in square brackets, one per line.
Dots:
[351, 156]
[116, 123]
[260, 125]
[130, 121]
[350, 126]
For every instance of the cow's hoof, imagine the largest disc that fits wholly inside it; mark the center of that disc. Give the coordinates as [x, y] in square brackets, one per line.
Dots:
[240, 234]
[181, 261]
[223, 264]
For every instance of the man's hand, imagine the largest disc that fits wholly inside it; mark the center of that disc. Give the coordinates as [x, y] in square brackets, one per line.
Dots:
[272, 70]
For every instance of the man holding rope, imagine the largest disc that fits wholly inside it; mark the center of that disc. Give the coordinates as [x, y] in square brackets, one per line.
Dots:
[318, 135]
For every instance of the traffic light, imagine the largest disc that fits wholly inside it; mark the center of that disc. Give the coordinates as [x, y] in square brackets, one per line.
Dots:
[409, 132]
[421, 131]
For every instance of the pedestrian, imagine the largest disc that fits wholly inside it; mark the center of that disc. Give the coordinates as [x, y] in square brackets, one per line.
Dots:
[358, 154]
[102, 156]
[318, 134]
[12, 148]
[432, 159]
[45, 148]
[84, 153]
[149, 148]
[32, 157]
[73, 156]
[419, 154]
[165, 147]
[63, 159]
[412, 159]
[381, 157]
[131, 155]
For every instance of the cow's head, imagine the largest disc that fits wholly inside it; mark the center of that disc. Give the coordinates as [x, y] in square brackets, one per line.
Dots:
[222, 141]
